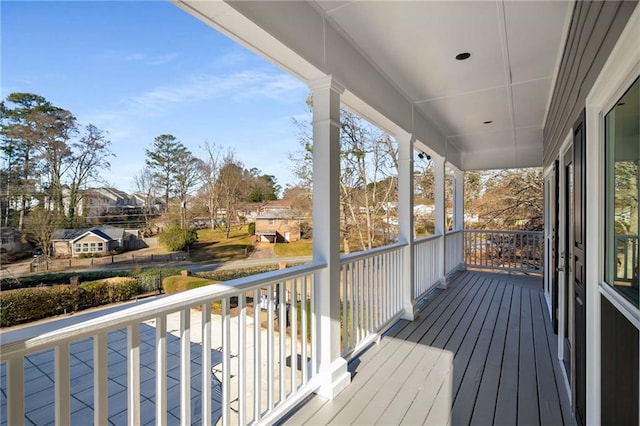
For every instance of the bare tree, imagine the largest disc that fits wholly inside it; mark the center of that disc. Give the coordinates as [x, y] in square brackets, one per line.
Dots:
[88, 159]
[368, 179]
[511, 198]
[230, 188]
[187, 175]
[41, 225]
[144, 185]
[210, 171]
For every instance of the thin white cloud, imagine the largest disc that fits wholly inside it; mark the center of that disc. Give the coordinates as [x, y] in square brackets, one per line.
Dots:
[119, 56]
[236, 86]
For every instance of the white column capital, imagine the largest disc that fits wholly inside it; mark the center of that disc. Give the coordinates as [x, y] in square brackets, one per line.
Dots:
[325, 83]
[404, 137]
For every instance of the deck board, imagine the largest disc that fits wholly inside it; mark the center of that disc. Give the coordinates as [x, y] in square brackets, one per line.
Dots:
[474, 358]
[505, 368]
[485, 399]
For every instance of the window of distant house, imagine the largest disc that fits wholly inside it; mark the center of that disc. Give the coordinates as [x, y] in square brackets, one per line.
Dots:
[100, 246]
[77, 247]
[85, 246]
[622, 157]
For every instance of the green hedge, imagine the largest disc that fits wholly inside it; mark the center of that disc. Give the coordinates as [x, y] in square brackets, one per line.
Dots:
[232, 274]
[58, 278]
[30, 304]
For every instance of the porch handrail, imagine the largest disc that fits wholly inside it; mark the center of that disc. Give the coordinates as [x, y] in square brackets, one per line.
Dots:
[352, 257]
[286, 294]
[427, 238]
[31, 340]
[510, 250]
[371, 295]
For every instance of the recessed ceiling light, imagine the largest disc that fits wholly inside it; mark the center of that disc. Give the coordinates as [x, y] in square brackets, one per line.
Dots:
[487, 122]
[462, 56]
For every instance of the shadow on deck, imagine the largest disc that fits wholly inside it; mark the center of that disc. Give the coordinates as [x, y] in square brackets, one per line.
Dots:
[505, 368]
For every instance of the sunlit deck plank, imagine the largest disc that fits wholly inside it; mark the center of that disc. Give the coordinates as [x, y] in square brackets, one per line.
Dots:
[496, 325]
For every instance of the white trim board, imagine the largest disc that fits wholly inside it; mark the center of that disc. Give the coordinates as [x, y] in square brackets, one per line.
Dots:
[620, 70]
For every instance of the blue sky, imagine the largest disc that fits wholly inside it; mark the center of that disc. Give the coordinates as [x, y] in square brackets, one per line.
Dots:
[138, 69]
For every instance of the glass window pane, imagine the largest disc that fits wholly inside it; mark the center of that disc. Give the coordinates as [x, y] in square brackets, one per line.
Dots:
[622, 156]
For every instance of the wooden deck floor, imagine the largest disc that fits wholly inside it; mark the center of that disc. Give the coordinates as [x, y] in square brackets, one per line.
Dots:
[505, 365]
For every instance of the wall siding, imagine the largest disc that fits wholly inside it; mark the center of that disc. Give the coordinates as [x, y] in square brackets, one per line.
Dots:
[593, 31]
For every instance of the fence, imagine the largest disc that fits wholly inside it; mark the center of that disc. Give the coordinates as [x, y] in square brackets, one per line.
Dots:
[42, 264]
[248, 365]
[371, 294]
[513, 251]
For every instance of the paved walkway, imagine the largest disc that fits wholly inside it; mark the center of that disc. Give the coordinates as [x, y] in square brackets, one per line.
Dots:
[263, 250]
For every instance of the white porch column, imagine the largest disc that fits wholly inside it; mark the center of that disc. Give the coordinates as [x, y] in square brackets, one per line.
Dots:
[440, 213]
[333, 373]
[458, 200]
[405, 220]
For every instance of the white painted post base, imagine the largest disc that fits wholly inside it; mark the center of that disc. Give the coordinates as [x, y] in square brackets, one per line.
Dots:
[334, 379]
[443, 283]
[410, 312]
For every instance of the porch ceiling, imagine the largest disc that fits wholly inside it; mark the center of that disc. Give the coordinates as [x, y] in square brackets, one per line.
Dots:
[406, 52]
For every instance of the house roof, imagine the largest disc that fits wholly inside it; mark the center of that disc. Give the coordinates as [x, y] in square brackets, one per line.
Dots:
[106, 232]
[283, 214]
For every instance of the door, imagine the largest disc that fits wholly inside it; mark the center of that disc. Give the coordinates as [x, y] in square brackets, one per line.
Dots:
[554, 245]
[578, 261]
[565, 265]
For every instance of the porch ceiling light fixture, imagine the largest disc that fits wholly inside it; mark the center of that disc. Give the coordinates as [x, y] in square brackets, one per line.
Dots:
[463, 55]
[422, 155]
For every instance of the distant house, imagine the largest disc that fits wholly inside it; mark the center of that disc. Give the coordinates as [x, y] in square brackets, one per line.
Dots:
[11, 240]
[250, 211]
[423, 210]
[278, 227]
[100, 240]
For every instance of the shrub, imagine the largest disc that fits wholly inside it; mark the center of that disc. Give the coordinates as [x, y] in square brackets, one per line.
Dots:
[30, 304]
[58, 278]
[176, 239]
[252, 228]
[23, 305]
[232, 274]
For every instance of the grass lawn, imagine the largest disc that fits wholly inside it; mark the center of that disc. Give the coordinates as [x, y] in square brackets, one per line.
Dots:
[213, 246]
[295, 248]
[179, 283]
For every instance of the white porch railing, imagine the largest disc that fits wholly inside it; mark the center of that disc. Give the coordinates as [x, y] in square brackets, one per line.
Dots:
[627, 254]
[453, 244]
[254, 364]
[427, 265]
[371, 295]
[520, 251]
